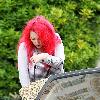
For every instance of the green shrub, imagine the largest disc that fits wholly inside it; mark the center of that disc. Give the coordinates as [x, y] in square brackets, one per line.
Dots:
[77, 22]
[9, 82]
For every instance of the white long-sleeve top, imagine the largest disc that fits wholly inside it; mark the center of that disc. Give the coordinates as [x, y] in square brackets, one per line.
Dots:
[26, 70]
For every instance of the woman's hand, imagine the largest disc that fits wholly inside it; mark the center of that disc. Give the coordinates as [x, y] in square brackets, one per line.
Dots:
[36, 58]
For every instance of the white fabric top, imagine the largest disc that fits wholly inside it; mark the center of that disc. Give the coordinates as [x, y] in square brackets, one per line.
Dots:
[26, 71]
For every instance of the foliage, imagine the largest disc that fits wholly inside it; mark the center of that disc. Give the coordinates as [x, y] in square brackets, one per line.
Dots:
[77, 22]
[9, 82]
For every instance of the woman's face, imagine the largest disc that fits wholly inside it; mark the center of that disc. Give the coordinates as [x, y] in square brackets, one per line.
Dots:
[35, 39]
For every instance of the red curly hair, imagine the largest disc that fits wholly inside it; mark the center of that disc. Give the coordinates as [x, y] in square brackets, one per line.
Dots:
[45, 30]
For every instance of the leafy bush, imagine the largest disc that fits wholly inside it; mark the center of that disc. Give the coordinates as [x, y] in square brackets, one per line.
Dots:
[8, 71]
[77, 21]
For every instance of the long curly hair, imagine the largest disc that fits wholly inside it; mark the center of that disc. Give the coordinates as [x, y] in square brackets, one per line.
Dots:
[46, 32]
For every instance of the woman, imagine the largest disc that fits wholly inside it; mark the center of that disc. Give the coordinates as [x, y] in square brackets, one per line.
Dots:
[40, 51]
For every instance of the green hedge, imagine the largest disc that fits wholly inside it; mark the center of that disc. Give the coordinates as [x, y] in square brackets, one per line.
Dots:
[9, 82]
[77, 21]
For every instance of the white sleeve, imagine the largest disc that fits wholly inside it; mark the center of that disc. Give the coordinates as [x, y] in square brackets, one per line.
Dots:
[23, 66]
[59, 51]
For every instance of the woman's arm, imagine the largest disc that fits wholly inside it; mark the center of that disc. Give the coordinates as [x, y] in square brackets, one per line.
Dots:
[56, 62]
[23, 66]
